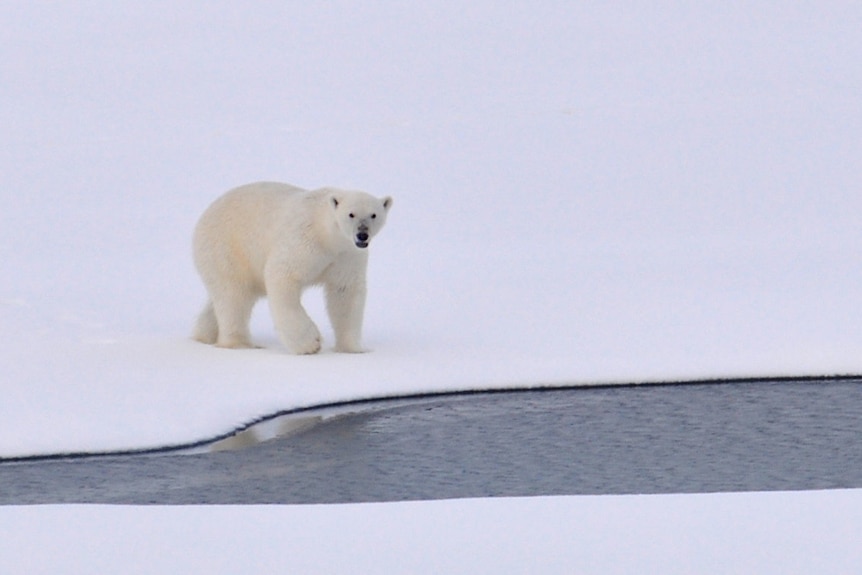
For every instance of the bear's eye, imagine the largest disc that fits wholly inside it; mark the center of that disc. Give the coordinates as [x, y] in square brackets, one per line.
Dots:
[351, 216]
[373, 216]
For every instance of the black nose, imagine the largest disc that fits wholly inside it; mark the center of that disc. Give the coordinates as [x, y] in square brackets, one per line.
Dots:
[362, 237]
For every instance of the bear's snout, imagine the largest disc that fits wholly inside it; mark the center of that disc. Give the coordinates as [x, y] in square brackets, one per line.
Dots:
[362, 236]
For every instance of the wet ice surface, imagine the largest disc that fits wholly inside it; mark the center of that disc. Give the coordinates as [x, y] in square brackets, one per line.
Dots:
[654, 439]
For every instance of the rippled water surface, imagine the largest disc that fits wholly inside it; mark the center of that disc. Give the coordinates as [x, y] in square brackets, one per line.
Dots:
[640, 439]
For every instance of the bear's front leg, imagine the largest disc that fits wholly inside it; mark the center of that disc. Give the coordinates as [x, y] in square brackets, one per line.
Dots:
[296, 330]
[346, 307]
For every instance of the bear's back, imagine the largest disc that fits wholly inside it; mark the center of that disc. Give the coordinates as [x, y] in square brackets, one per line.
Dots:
[250, 208]
[243, 225]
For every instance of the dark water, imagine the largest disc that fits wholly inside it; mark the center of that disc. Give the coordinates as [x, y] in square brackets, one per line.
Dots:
[657, 439]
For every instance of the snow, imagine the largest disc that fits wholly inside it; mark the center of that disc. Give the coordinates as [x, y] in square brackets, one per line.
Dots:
[583, 194]
[787, 533]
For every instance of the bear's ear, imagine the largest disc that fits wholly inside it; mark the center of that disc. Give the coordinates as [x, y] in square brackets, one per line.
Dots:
[387, 203]
[334, 201]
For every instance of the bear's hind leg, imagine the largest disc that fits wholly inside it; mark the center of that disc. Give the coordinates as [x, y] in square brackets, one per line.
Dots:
[233, 313]
[206, 328]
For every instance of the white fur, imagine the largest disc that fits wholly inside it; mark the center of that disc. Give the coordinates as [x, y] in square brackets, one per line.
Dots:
[275, 240]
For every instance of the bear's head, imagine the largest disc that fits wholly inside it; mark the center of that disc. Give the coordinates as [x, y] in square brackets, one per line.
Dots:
[359, 215]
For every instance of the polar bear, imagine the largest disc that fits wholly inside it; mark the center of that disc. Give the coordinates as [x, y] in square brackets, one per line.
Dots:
[274, 240]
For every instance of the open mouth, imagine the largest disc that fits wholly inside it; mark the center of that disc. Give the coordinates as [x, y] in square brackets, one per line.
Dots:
[361, 244]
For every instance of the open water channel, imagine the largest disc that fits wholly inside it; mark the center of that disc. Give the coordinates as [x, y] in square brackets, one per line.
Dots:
[742, 436]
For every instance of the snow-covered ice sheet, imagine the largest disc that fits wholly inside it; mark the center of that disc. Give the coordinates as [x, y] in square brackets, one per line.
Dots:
[786, 533]
[583, 194]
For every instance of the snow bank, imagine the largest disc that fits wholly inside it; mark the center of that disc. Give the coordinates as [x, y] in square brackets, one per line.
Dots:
[803, 532]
